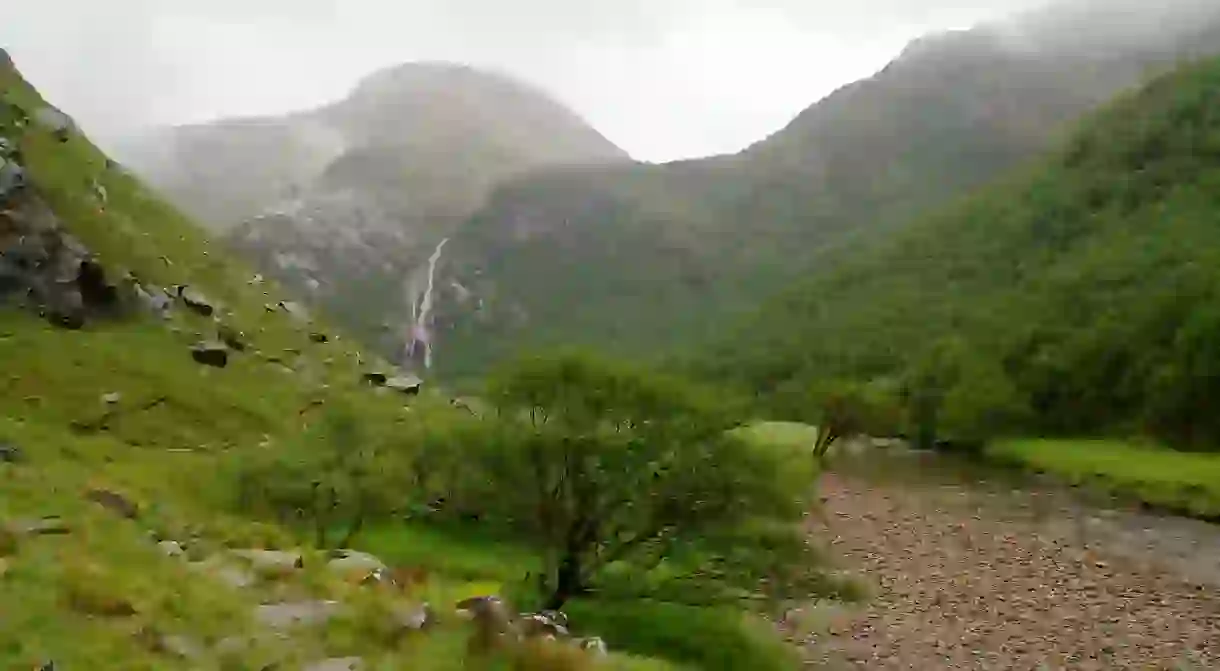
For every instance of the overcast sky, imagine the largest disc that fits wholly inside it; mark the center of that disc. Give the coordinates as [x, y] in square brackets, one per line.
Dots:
[664, 79]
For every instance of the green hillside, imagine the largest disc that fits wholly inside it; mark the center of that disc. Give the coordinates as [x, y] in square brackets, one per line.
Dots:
[1076, 297]
[656, 257]
[166, 506]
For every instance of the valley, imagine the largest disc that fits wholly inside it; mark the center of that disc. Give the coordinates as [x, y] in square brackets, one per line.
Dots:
[437, 377]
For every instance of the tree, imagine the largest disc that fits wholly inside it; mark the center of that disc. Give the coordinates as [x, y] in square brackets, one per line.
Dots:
[333, 477]
[614, 470]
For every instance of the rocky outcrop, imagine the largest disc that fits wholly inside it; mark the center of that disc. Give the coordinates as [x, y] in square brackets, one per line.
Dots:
[44, 267]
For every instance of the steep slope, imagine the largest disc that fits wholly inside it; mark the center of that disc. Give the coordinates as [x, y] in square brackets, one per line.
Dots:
[655, 256]
[345, 204]
[1078, 296]
[119, 536]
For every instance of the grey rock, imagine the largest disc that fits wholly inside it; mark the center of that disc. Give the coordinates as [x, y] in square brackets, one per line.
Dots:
[271, 561]
[303, 613]
[10, 453]
[375, 378]
[12, 178]
[171, 548]
[196, 301]
[114, 502]
[55, 122]
[295, 310]
[210, 354]
[111, 398]
[231, 337]
[45, 526]
[319, 337]
[413, 618]
[337, 664]
[405, 384]
[233, 576]
[349, 562]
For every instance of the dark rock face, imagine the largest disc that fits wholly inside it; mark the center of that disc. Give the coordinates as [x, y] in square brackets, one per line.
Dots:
[211, 354]
[196, 302]
[47, 269]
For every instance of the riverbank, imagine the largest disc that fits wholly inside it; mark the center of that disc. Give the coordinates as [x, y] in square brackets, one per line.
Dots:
[965, 577]
[1181, 483]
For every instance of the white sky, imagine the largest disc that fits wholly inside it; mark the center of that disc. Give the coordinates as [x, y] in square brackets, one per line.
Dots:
[664, 79]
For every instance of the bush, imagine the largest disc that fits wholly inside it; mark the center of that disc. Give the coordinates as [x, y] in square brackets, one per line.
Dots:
[611, 469]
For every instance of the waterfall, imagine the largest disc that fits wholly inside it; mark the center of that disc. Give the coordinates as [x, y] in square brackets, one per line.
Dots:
[419, 332]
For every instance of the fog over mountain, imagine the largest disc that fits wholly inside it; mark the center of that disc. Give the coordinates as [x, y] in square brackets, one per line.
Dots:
[715, 75]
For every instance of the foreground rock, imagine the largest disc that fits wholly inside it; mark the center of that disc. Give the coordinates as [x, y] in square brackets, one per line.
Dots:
[958, 587]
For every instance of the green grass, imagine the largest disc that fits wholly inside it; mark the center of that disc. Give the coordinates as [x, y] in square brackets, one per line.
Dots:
[712, 639]
[1183, 482]
[469, 553]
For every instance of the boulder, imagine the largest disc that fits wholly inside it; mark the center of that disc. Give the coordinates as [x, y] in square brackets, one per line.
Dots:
[412, 618]
[12, 178]
[210, 354]
[319, 337]
[114, 502]
[55, 122]
[44, 526]
[231, 337]
[271, 560]
[593, 645]
[375, 378]
[302, 613]
[196, 301]
[337, 664]
[356, 565]
[405, 384]
[10, 453]
[171, 548]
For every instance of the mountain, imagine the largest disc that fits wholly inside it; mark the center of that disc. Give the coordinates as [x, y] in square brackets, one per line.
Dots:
[644, 258]
[345, 204]
[1078, 296]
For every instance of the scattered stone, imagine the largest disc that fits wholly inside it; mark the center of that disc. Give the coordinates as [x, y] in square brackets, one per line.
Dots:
[114, 502]
[45, 526]
[375, 378]
[210, 354]
[319, 337]
[409, 385]
[412, 618]
[294, 310]
[356, 565]
[546, 623]
[337, 664]
[196, 301]
[10, 453]
[304, 613]
[171, 548]
[55, 122]
[12, 178]
[231, 337]
[271, 562]
[594, 646]
[112, 398]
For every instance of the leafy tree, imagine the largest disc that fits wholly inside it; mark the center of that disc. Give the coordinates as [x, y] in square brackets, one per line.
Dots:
[333, 477]
[618, 471]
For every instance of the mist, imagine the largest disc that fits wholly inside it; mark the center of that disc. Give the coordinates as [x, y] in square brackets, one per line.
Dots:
[664, 79]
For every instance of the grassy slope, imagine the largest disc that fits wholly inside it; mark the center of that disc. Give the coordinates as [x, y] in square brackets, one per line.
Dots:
[54, 590]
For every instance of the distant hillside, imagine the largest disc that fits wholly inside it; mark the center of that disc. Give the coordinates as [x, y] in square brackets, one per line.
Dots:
[345, 204]
[643, 258]
[1077, 297]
